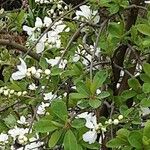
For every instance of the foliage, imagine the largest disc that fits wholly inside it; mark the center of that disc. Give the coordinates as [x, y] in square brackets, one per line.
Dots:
[75, 75]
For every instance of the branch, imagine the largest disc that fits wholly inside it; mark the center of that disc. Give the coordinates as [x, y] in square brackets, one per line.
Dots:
[19, 47]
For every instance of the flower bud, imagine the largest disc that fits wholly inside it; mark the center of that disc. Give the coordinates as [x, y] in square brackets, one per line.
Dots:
[59, 6]
[11, 91]
[22, 139]
[116, 121]
[24, 92]
[19, 93]
[120, 117]
[47, 71]
[6, 92]
[33, 70]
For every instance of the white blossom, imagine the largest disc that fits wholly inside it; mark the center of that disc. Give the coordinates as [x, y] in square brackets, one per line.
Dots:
[32, 87]
[29, 30]
[22, 70]
[49, 96]
[16, 131]
[41, 108]
[47, 21]
[91, 123]
[40, 47]
[3, 138]
[55, 61]
[22, 139]
[87, 13]
[22, 120]
[38, 22]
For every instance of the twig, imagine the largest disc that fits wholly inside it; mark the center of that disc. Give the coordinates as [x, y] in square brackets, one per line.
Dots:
[136, 55]
[95, 47]
[19, 47]
[70, 42]
[126, 71]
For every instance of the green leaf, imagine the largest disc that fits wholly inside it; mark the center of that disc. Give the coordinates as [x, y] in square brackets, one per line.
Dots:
[43, 64]
[146, 68]
[123, 133]
[98, 80]
[56, 71]
[95, 103]
[116, 142]
[59, 109]
[3, 126]
[103, 95]
[115, 29]
[95, 145]
[146, 88]
[10, 121]
[134, 84]
[44, 125]
[54, 138]
[78, 123]
[145, 78]
[70, 141]
[144, 29]
[78, 96]
[127, 94]
[146, 131]
[82, 89]
[145, 102]
[135, 139]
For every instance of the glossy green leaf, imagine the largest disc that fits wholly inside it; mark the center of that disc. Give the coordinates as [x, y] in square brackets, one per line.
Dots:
[54, 138]
[59, 109]
[70, 141]
[94, 103]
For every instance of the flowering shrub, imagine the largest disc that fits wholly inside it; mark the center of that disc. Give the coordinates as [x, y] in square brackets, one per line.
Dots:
[75, 75]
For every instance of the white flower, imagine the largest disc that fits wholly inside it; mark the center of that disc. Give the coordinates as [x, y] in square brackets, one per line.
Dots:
[22, 70]
[47, 21]
[38, 22]
[49, 96]
[40, 47]
[29, 30]
[54, 62]
[76, 58]
[22, 120]
[3, 138]
[32, 87]
[22, 139]
[33, 70]
[41, 108]
[90, 136]
[17, 131]
[33, 145]
[87, 13]
[98, 91]
[91, 123]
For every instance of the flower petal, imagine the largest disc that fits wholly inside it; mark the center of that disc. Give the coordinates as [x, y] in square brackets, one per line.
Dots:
[90, 136]
[39, 47]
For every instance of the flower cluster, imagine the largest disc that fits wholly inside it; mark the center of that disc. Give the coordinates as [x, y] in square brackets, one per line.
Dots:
[10, 92]
[95, 128]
